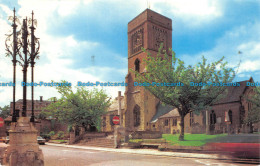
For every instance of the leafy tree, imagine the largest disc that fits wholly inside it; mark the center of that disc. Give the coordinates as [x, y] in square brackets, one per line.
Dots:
[162, 69]
[81, 108]
[254, 113]
[5, 111]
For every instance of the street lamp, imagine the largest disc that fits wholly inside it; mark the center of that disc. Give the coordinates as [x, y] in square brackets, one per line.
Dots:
[30, 46]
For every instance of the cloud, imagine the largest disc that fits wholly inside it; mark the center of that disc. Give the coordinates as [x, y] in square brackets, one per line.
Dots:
[191, 13]
[239, 45]
[58, 54]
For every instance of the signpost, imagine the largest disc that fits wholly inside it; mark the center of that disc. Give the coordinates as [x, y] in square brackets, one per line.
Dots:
[1, 122]
[116, 120]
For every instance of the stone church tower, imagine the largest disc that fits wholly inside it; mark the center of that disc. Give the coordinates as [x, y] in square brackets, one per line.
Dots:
[147, 30]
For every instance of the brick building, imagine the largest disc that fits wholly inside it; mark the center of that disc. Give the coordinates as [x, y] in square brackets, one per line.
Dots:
[107, 125]
[147, 30]
[144, 112]
[38, 106]
[42, 125]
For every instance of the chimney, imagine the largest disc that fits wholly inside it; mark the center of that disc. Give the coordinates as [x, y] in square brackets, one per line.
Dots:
[40, 98]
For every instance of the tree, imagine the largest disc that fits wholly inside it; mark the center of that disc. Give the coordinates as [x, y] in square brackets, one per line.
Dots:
[5, 111]
[254, 113]
[82, 108]
[161, 69]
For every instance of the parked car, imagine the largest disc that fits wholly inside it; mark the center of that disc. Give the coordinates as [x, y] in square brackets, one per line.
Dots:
[6, 140]
[2, 139]
[40, 140]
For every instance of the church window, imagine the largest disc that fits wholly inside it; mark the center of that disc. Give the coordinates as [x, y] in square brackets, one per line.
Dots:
[191, 118]
[249, 106]
[174, 122]
[137, 65]
[104, 121]
[136, 116]
[230, 116]
[166, 122]
[213, 119]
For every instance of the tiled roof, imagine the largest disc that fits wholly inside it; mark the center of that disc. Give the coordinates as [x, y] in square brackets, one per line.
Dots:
[172, 113]
[35, 101]
[234, 93]
[160, 111]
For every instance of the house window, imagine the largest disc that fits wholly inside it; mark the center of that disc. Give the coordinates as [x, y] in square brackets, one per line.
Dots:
[191, 118]
[137, 65]
[136, 116]
[166, 122]
[230, 116]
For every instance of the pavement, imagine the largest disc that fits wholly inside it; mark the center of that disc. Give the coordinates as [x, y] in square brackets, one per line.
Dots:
[144, 152]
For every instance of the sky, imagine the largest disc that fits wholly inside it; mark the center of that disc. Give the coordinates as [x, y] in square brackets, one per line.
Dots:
[86, 40]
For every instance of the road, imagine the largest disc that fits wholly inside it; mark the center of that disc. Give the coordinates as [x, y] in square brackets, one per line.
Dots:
[62, 156]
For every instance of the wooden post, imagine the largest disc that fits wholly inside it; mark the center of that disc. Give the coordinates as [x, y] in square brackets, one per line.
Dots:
[119, 108]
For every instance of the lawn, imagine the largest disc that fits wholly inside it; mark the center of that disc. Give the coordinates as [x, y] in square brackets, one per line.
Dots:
[190, 139]
[160, 140]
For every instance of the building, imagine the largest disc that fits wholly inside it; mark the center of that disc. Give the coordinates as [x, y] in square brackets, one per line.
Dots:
[38, 106]
[234, 106]
[143, 112]
[107, 124]
[42, 125]
[148, 30]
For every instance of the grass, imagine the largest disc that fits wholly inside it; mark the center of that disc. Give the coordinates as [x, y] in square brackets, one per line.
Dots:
[190, 139]
[160, 140]
[60, 141]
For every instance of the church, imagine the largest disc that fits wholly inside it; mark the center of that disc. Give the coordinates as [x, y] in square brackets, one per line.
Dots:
[143, 112]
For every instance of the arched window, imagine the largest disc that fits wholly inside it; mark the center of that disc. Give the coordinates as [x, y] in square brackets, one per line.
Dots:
[230, 116]
[137, 65]
[136, 116]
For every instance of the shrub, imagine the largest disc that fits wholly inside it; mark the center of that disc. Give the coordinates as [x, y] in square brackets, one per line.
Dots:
[60, 134]
[52, 133]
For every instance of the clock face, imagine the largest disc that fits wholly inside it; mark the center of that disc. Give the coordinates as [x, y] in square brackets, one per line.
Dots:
[137, 41]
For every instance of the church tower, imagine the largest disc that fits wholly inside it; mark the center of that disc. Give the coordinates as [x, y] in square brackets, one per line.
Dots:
[147, 30]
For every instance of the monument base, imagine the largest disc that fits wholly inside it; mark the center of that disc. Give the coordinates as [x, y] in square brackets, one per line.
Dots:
[23, 149]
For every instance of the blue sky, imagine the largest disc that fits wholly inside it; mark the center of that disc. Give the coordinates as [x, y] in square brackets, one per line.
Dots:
[72, 31]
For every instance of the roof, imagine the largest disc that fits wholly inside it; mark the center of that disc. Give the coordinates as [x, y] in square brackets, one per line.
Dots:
[114, 105]
[233, 95]
[160, 111]
[172, 113]
[234, 92]
[35, 101]
[9, 119]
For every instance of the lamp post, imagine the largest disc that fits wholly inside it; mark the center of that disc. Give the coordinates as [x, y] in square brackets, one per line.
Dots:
[11, 50]
[24, 49]
[30, 46]
[33, 55]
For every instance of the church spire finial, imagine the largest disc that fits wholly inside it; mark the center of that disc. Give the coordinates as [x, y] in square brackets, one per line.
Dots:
[148, 4]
